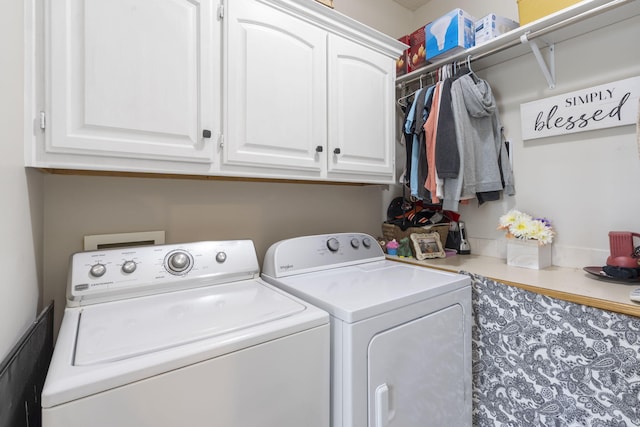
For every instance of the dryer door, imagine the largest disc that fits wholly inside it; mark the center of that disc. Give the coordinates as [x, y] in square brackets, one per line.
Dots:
[420, 373]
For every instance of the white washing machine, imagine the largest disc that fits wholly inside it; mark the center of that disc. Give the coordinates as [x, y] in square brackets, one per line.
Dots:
[185, 335]
[400, 334]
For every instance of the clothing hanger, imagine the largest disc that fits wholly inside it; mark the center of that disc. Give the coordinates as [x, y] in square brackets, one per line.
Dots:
[446, 72]
[471, 73]
[402, 98]
[464, 69]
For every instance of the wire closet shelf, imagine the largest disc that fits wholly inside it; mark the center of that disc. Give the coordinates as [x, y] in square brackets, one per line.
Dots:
[573, 21]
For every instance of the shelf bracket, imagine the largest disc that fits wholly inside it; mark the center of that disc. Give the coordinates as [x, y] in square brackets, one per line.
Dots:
[549, 71]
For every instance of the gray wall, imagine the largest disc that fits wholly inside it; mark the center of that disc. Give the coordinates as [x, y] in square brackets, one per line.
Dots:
[192, 210]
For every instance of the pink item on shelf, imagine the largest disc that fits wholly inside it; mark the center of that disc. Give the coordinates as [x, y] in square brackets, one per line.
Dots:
[392, 247]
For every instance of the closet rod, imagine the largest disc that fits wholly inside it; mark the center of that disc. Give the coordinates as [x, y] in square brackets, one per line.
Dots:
[530, 36]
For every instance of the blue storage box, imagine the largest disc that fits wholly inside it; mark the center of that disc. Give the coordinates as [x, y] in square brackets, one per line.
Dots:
[449, 34]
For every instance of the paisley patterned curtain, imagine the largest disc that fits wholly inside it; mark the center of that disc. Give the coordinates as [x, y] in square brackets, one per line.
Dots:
[539, 361]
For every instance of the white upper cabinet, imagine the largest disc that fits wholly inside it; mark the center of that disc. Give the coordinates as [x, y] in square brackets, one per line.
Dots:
[285, 89]
[128, 81]
[361, 111]
[309, 94]
[276, 91]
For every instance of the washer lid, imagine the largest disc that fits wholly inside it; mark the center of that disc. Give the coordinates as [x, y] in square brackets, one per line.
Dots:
[358, 292]
[123, 329]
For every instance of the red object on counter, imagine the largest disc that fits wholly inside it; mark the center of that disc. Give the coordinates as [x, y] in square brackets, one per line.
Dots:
[622, 250]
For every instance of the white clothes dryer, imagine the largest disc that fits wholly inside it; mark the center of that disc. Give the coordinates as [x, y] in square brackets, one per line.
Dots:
[400, 334]
[185, 335]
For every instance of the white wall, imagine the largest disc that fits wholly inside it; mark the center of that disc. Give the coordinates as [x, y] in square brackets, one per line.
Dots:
[582, 182]
[385, 16]
[436, 8]
[20, 191]
[586, 182]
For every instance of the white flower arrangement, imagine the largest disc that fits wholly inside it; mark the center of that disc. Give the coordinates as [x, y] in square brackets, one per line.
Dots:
[523, 226]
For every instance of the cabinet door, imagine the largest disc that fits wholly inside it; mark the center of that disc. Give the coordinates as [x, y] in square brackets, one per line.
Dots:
[275, 74]
[133, 78]
[361, 100]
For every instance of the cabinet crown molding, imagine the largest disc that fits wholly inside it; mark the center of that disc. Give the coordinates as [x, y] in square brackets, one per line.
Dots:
[337, 23]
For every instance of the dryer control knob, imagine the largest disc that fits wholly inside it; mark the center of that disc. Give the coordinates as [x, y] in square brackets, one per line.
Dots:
[221, 257]
[333, 244]
[355, 243]
[129, 267]
[98, 270]
[178, 262]
[366, 242]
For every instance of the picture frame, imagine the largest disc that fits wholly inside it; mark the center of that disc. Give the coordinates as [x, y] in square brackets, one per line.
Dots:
[427, 245]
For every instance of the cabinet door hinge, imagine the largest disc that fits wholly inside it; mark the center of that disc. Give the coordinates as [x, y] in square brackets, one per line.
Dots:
[221, 141]
[221, 11]
[43, 120]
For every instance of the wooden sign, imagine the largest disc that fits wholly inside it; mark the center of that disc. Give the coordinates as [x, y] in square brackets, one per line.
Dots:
[609, 105]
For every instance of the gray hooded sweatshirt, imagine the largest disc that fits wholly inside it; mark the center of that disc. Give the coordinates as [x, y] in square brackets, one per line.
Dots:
[483, 156]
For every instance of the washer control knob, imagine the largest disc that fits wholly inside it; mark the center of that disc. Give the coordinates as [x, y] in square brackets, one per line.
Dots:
[221, 257]
[366, 242]
[355, 243]
[129, 267]
[98, 270]
[333, 244]
[178, 262]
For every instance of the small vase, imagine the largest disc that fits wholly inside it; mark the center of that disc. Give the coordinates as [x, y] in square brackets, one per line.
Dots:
[528, 254]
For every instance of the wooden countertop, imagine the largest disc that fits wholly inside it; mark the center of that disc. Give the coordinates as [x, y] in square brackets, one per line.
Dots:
[569, 284]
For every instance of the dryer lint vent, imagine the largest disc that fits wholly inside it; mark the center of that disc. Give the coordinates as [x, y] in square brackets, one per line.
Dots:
[123, 240]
